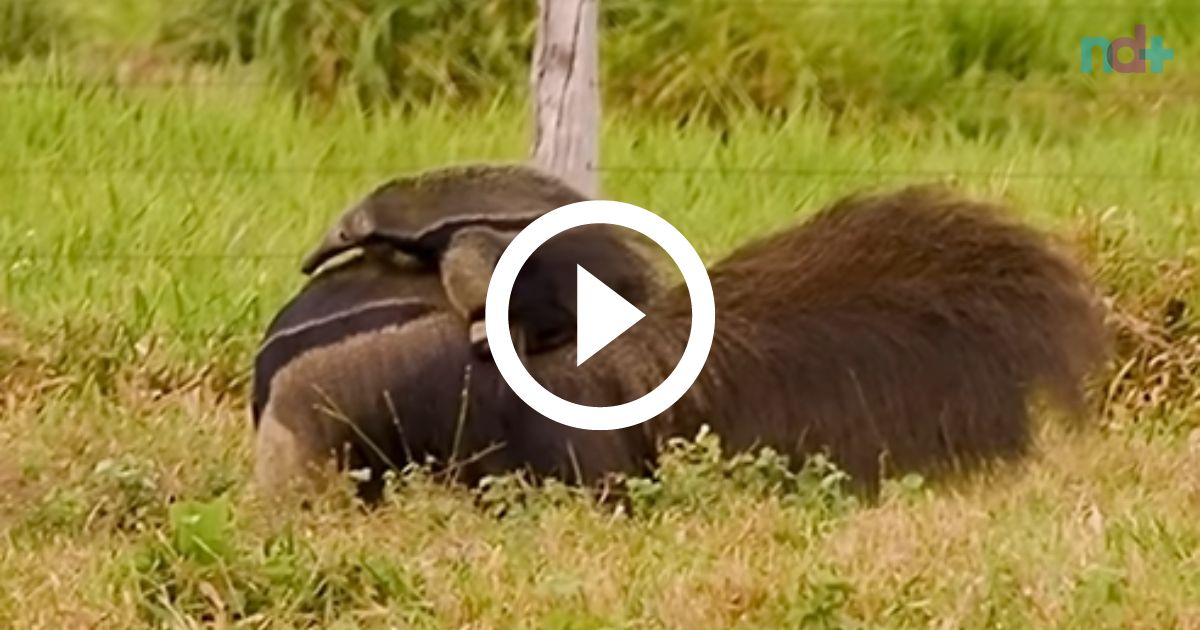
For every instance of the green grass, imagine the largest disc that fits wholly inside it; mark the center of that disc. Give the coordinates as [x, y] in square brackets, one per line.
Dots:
[28, 28]
[147, 233]
[185, 210]
[676, 59]
[706, 58]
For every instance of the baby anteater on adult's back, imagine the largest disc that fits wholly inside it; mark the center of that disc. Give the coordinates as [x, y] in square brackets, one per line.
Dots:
[421, 214]
[320, 361]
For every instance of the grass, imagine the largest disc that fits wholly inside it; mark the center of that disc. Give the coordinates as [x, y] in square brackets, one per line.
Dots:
[696, 58]
[120, 199]
[28, 28]
[148, 232]
[675, 59]
[118, 526]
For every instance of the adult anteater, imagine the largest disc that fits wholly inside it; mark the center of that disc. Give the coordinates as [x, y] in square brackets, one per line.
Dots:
[903, 331]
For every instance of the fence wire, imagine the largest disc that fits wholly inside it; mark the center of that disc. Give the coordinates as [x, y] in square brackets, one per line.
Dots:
[19, 257]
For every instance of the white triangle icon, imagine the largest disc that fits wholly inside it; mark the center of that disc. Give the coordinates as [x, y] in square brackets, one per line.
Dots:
[601, 315]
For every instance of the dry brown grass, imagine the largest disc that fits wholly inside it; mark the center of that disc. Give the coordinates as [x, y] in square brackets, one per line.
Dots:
[1098, 529]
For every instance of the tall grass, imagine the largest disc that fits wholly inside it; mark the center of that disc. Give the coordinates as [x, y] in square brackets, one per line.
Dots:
[178, 212]
[168, 223]
[711, 59]
[695, 57]
[29, 29]
[391, 51]
[184, 213]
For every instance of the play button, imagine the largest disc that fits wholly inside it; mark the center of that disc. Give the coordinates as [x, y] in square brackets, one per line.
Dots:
[601, 315]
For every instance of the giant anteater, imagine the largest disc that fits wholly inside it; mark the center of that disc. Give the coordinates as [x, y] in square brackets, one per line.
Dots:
[902, 331]
[898, 332]
[420, 214]
[399, 228]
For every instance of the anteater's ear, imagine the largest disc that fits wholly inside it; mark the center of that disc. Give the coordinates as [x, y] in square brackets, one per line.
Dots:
[466, 267]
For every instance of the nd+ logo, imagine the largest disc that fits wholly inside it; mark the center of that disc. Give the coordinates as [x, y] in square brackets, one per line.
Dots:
[1156, 53]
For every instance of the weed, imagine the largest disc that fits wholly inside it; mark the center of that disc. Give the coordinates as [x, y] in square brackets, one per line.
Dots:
[206, 572]
[693, 474]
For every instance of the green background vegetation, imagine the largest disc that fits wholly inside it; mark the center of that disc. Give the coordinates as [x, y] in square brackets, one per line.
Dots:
[164, 165]
[675, 58]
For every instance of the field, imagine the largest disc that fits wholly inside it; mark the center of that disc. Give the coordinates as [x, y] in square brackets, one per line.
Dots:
[149, 228]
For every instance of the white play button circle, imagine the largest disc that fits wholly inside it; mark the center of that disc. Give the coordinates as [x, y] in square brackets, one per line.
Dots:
[602, 315]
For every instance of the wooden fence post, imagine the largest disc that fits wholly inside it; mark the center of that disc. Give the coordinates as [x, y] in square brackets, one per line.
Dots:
[566, 92]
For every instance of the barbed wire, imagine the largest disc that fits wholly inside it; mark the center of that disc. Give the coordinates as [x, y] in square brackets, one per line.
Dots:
[14, 259]
[19, 257]
[133, 85]
[891, 173]
[624, 169]
[1075, 90]
[205, 171]
[33, 256]
[893, 5]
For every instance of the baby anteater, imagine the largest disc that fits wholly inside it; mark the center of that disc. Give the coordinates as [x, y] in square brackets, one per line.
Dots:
[421, 215]
[418, 214]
